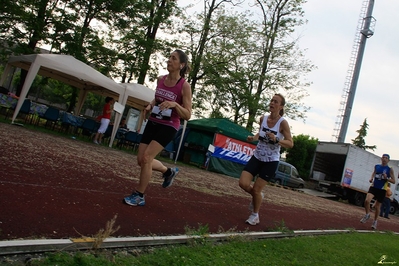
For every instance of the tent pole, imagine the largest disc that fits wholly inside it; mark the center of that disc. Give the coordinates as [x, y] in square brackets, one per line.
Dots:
[32, 72]
[181, 140]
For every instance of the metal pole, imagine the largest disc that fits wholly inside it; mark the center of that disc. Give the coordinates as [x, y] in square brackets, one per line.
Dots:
[355, 77]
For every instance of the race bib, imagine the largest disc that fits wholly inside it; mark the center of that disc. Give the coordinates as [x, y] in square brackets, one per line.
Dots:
[263, 136]
[161, 114]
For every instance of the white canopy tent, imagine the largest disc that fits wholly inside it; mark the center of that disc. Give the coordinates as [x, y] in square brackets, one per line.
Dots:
[71, 71]
[137, 96]
[67, 69]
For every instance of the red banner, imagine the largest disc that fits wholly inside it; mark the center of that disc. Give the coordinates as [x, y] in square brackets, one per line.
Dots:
[234, 145]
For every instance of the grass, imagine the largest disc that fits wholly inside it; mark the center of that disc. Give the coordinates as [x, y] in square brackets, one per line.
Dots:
[340, 249]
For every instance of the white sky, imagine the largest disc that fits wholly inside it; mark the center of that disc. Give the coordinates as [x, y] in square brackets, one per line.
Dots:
[329, 38]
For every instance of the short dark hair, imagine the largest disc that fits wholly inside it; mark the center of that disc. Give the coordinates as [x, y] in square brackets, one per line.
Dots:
[108, 99]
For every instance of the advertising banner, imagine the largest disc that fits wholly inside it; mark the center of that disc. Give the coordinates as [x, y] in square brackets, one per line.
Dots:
[232, 150]
[347, 177]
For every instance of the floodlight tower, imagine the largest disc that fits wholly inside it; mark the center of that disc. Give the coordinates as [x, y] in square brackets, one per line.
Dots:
[365, 30]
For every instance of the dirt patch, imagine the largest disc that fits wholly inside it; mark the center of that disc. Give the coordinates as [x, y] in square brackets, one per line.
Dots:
[58, 187]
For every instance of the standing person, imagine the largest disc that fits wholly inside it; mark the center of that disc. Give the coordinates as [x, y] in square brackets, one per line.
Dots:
[386, 204]
[382, 174]
[274, 132]
[172, 102]
[105, 119]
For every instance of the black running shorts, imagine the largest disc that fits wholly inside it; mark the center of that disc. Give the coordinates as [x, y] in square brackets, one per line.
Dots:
[160, 133]
[379, 194]
[265, 170]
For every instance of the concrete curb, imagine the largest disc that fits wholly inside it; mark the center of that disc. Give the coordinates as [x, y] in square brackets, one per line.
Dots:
[12, 247]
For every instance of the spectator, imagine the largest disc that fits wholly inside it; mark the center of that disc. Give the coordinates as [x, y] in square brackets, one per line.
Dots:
[386, 204]
[122, 129]
[122, 124]
[105, 119]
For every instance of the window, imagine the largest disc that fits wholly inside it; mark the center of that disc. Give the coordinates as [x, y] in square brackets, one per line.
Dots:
[281, 168]
[295, 173]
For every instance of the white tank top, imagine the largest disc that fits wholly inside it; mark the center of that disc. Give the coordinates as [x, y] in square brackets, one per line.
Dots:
[265, 151]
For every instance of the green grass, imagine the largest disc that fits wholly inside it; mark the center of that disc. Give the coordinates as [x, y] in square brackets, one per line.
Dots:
[340, 249]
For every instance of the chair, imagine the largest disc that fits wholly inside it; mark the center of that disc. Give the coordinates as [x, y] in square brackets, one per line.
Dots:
[129, 139]
[25, 109]
[137, 141]
[108, 132]
[51, 116]
[89, 127]
[65, 123]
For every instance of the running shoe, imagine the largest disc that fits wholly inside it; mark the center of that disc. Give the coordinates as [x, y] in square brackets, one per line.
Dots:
[253, 219]
[135, 200]
[365, 218]
[168, 180]
[374, 226]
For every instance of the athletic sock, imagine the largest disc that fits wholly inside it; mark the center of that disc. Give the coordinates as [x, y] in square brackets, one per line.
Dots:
[140, 194]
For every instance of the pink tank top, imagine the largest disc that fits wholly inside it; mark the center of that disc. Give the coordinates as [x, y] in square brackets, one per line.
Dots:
[165, 93]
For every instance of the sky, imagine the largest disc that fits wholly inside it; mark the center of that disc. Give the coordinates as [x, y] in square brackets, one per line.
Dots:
[329, 37]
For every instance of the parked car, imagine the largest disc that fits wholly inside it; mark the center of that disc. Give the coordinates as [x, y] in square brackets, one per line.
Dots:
[287, 175]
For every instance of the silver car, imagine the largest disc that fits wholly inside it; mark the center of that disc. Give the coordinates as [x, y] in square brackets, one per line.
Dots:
[287, 175]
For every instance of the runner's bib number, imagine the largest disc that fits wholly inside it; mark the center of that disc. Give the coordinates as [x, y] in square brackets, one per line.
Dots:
[161, 114]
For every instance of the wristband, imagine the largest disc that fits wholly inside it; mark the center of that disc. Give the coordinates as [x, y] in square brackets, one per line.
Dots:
[274, 141]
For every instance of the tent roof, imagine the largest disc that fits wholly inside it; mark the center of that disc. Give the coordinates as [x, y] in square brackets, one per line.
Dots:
[220, 125]
[138, 96]
[68, 69]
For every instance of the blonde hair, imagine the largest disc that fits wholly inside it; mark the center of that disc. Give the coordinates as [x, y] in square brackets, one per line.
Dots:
[282, 103]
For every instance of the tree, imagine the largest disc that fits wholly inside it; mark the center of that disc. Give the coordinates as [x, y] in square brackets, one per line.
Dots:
[301, 155]
[203, 36]
[63, 24]
[279, 62]
[359, 140]
[239, 61]
[245, 61]
[23, 25]
[221, 72]
[81, 39]
[91, 31]
[135, 37]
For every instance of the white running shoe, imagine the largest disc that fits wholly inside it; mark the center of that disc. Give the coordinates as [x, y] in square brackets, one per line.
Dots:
[253, 219]
[365, 218]
[374, 226]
